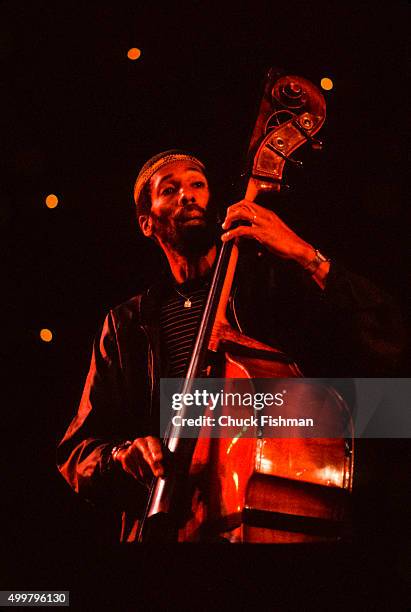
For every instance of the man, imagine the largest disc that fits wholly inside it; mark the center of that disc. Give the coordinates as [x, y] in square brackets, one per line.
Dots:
[111, 449]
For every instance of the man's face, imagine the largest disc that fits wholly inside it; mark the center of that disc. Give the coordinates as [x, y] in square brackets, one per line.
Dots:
[180, 214]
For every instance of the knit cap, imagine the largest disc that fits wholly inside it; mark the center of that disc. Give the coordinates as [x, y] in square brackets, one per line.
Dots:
[157, 162]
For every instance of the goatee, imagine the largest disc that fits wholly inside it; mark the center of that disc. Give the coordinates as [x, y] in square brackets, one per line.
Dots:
[189, 239]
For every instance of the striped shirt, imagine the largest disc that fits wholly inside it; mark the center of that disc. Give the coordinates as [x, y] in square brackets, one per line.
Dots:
[179, 325]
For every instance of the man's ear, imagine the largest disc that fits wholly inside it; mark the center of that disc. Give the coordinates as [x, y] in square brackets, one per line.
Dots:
[145, 223]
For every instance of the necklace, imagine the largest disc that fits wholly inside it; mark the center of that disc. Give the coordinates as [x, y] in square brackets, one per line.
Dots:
[187, 303]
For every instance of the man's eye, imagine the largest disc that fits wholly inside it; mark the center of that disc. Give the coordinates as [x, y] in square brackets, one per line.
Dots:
[167, 191]
[199, 184]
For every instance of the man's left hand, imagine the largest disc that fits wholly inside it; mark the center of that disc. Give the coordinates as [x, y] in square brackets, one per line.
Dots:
[269, 230]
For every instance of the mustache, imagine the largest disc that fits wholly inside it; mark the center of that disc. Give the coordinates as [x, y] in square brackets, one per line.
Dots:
[180, 215]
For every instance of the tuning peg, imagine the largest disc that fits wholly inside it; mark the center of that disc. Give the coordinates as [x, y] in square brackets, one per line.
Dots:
[316, 145]
[296, 162]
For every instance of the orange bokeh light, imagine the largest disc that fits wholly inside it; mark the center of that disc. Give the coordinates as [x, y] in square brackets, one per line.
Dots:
[133, 53]
[51, 200]
[46, 335]
[327, 84]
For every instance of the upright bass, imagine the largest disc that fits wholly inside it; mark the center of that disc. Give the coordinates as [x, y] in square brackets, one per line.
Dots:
[255, 488]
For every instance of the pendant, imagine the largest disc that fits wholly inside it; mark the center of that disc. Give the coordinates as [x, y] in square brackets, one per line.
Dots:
[187, 303]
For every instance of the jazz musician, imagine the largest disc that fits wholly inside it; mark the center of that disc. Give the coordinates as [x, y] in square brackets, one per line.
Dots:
[332, 322]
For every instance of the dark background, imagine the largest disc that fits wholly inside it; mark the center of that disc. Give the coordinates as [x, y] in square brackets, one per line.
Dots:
[78, 120]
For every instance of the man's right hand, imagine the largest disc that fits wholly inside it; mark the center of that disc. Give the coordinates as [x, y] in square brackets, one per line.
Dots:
[143, 459]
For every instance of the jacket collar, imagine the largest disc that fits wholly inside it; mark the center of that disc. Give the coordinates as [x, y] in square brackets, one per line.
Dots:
[150, 300]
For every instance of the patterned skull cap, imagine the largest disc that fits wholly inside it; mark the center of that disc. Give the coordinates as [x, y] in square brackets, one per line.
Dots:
[157, 162]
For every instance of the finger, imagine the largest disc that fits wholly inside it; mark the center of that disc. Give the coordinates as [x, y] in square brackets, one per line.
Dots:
[243, 214]
[154, 463]
[244, 203]
[133, 463]
[154, 446]
[244, 207]
[245, 231]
